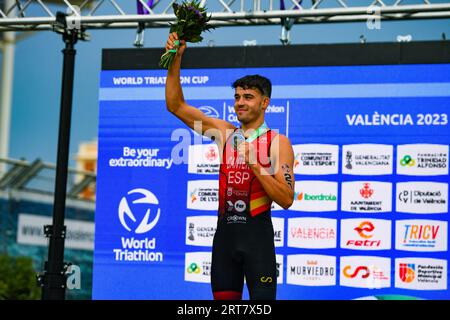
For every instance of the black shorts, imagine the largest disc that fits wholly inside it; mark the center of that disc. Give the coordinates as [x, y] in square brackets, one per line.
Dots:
[245, 250]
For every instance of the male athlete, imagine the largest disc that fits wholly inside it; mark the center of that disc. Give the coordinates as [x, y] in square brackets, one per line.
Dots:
[256, 168]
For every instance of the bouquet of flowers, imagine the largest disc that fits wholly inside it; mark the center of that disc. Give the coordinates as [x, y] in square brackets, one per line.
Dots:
[191, 21]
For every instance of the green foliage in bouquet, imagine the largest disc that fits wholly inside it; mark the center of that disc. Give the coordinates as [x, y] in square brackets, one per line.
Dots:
[191, 21]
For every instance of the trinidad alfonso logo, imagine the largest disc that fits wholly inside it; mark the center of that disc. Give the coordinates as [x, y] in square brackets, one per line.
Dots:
[407, 160]
[124, 211]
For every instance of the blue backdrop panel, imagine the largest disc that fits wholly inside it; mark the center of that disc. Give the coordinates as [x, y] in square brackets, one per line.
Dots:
[370, 216]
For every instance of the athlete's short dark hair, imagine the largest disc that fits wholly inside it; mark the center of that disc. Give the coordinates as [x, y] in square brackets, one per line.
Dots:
[255, 81]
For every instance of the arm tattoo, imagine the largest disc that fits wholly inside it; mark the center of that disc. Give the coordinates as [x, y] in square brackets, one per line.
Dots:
[287, 175]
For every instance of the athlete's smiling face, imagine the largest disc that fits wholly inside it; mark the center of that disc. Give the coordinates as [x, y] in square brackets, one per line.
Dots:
[249, 104]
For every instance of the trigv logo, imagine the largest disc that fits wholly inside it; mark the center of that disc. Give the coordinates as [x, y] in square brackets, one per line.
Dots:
[315, 159]
[422, 159]
[421, 274]
[124, 211]
[365, 272]
[366, 234]
[138, 249]
[422, 197]
[367, 159]
[311, 270]
[421, 235]
[366, 196]
[314, 196]
[204, 159]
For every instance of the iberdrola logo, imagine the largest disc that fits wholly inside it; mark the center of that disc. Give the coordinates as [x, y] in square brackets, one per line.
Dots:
[298, 196]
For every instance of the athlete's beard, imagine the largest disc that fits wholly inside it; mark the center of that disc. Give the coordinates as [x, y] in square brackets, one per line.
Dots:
[248, 118]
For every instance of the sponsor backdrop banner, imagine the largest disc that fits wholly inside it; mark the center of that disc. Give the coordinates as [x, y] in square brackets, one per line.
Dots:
[370, 214]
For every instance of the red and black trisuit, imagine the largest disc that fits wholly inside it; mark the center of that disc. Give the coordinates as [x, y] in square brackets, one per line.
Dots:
[243, 244]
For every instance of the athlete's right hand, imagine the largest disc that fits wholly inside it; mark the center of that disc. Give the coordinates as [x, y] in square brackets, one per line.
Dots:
[171, 43]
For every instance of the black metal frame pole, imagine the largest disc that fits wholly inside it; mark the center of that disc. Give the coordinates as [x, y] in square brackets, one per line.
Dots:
[54, 279]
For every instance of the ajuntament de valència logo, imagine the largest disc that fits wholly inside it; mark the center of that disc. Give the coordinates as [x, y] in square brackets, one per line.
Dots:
[138, 249]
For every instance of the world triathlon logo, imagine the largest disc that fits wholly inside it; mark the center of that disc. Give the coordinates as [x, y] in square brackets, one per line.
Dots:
[209, 111]
[150, 202]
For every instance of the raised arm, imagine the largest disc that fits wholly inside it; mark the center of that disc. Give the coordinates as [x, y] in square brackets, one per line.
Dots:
[191, 116]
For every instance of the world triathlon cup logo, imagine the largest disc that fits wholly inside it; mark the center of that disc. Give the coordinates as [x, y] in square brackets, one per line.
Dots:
[150, 200]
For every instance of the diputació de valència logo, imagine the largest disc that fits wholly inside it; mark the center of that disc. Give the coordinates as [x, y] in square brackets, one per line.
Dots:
[133, 219]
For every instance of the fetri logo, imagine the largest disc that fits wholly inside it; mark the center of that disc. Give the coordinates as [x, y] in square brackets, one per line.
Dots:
[148, 199]
[407, 160]
[366, 234]
[365, 229]
[407, 272]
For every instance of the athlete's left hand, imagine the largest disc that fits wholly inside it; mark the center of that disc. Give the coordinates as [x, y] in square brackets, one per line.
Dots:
[248, 152]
